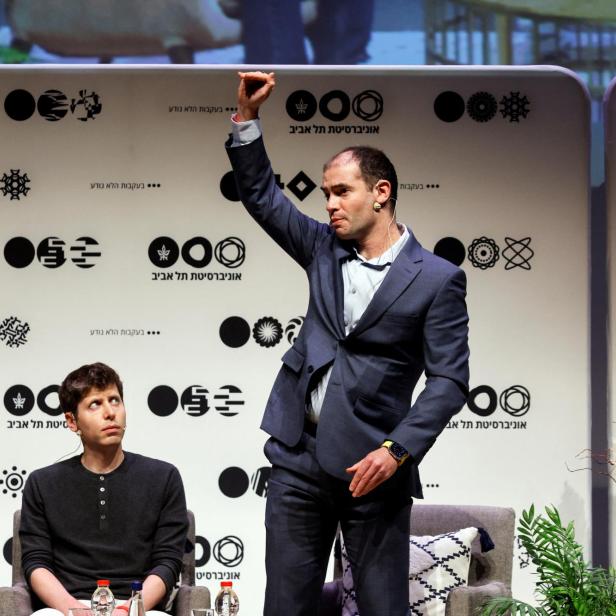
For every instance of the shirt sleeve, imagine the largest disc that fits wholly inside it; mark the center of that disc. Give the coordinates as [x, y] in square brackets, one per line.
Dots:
[170, 536]
[243, 133]
[34, 531]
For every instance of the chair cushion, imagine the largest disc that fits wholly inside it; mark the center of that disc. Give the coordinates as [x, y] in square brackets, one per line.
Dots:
[437, 565]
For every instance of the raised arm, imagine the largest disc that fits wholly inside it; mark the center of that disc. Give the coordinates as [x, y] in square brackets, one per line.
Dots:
[254, 89]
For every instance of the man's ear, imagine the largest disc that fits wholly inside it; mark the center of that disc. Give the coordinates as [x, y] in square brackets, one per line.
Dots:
[71, 420]
[382, 191]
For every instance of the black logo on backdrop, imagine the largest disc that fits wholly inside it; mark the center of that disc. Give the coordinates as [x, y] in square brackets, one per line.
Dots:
[451, 249]
[195, 400]
[19, 105]
[15, 184]
[514, 107]
[301, 186]
[12, 481]
[335, 105]
[14, 332]
[267, 331]
[483, 400]
[228, 187]
[52, 105]
[234, 482]
[483, 253]
[229, 551]
[291, 331]
[197, 252]
[163, 400]
[449, 106]
[7, 551]
[234, 332]
[19, 252]
[227, 400]
[19, 400]
[518, 253]
[481, 106]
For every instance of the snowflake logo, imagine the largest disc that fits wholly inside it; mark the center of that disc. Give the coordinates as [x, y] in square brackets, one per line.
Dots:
[163, 253]
[15, 184]
[267, 332]
[13, 332]
[12, 481]
[514, 106]
[87, 106]
[19, 401]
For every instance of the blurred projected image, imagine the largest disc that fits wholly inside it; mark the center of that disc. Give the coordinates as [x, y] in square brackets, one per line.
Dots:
[578, 35]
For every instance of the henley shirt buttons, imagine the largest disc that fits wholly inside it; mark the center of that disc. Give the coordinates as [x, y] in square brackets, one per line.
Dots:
[102, 502]
[102, 489]
[103, 517]
[102, 478]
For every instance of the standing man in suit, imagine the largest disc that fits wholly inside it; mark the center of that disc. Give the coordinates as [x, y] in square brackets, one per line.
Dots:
[345, 440]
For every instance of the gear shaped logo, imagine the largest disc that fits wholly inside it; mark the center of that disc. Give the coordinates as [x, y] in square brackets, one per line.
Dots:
[483, 253]
[514, 106]
[15, 184]
[481, 106]
[267, 332]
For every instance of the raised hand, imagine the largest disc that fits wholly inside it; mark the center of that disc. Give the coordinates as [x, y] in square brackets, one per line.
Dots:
[254, 89]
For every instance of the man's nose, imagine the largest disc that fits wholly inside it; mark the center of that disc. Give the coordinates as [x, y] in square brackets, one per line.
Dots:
[109, 409]
[332, 204]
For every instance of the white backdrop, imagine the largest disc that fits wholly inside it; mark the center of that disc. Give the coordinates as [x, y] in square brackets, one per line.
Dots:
[493, 172]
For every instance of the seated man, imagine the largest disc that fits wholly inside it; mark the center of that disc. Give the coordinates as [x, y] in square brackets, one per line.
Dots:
[104, 514]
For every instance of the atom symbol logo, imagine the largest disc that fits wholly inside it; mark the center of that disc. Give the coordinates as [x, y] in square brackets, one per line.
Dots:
[481, 106]
[368, 105]
[229, 551]
[291, 331]
[515, 400]
[267, 331]
[230, 252]
[483, 253]
[15, 184]
[518, 253]
[13, 480]
[514, 106]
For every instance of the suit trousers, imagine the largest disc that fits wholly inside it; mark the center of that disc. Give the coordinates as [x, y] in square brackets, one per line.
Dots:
[304, 507]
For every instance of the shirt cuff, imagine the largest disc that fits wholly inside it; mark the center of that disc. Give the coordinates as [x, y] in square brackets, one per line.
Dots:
[244, 133]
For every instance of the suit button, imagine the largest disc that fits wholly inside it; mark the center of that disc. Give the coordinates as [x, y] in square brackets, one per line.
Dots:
[310, 369]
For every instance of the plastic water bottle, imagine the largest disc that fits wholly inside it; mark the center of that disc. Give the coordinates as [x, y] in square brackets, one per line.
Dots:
[227, 603]
[135, 607]
[103, 602]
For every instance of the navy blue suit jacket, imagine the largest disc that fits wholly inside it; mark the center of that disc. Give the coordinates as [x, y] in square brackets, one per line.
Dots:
[416, 321]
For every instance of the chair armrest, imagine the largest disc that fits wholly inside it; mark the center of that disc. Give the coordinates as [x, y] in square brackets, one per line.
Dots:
[15, 601]
[465, 600]
[189, 598]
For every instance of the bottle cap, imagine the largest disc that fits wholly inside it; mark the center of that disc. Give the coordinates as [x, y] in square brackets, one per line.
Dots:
[102, 583]
[226, 584]
[136, 585]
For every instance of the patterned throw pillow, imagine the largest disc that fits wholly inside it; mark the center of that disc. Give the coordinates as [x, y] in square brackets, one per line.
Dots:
[437, 565]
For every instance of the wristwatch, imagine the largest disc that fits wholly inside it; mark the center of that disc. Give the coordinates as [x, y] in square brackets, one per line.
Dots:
[397, 452]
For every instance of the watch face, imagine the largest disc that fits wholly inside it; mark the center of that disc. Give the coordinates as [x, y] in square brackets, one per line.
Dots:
[398, 451]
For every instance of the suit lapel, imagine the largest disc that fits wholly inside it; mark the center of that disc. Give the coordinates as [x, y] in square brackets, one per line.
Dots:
[401, 274]
[335, 284]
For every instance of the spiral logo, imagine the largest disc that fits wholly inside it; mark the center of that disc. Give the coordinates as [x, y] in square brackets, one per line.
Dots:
[515, 400]
[229, 551]
[230, 252]
[368, 105]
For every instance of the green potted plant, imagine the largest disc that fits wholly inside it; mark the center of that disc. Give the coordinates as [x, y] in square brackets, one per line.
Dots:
[566, 584]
